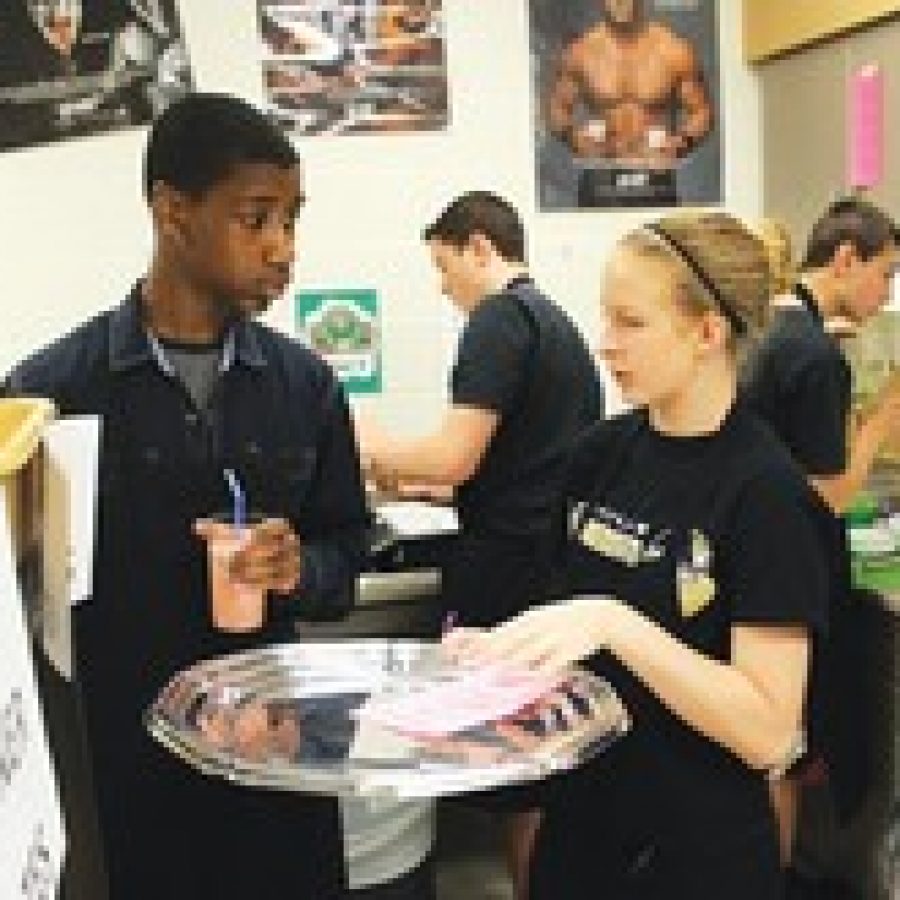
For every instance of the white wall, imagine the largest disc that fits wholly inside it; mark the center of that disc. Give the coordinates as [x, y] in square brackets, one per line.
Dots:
[74, 232]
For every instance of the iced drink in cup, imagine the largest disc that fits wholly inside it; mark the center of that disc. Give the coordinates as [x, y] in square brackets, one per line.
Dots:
[235, 606]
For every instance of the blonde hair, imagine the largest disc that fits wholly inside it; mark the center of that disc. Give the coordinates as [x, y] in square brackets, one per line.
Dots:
[779, 246]
[717, 264]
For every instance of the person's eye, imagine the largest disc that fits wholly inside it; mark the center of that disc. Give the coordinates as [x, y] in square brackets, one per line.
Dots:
[255, 220]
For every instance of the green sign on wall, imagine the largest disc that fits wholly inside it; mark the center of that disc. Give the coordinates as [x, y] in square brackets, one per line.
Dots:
[342, 325]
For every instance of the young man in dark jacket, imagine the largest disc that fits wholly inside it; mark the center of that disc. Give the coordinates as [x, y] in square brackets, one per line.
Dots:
[188, 384]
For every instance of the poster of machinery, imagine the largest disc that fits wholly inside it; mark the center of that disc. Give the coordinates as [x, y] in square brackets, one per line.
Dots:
[355, 66]
[75, 67]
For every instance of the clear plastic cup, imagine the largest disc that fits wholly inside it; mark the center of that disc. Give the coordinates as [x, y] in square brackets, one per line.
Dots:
[234, 606]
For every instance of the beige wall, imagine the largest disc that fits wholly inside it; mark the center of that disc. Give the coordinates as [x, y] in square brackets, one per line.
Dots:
[804, 99]
[772, 27]
[804, 116]
[74, 233]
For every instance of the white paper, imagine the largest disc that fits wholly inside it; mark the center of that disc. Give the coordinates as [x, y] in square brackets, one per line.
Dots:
[415, 518]
[33, 844]
[893, 304]
[71, 450]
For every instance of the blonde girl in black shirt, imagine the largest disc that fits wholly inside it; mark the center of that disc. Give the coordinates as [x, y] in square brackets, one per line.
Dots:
[697, 586]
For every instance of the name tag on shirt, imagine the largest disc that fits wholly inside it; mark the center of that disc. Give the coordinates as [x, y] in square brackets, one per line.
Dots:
[695, 586]
[601, 538]
[605, 532]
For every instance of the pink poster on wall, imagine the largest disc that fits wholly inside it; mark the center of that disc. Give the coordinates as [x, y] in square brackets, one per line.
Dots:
[865, 136]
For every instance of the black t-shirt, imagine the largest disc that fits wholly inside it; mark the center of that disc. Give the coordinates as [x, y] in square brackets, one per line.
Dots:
[699, 534]
[800, 383]
[521, 357]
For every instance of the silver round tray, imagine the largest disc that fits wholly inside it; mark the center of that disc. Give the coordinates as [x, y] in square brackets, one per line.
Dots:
[298, 717]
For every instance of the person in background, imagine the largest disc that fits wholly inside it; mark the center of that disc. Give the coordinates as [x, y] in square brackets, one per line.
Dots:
[696, 584]
[800, 382]
[522, 388]
[188, 384]
[779, 247]
[779, 244]
[503, 440]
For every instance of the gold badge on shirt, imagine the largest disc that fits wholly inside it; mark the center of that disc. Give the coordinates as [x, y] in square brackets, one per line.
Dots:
[696, 587]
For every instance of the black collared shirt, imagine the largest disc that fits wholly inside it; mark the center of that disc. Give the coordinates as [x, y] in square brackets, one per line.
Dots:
[278, 413]
[279, 419]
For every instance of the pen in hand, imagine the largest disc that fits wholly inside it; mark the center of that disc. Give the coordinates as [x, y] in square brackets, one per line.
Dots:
[457, 642]
[449, 623]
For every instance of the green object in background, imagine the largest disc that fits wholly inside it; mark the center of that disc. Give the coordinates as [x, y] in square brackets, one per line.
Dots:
[877, 574]
[873, 571]
[863, 510]
[342, 325]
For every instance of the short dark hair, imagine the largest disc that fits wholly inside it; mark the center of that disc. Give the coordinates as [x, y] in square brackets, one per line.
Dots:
[198, 140]
[850, 220]
[481, 212]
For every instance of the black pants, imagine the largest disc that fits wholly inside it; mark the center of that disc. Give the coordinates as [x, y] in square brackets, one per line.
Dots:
[170, 832]
[415, 885]
[847, 692]
[614, 831]
[660, 871]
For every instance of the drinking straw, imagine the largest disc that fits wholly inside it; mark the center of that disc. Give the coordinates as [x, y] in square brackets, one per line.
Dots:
[238, 499]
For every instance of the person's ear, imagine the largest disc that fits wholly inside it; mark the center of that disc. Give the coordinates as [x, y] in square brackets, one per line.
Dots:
[482, 248]
[170, 213]
[845, 257]
[713, 331]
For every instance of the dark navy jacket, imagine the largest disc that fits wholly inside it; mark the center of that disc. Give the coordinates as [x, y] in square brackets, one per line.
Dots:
[279, 419]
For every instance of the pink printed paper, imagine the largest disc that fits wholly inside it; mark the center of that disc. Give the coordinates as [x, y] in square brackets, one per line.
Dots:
[475, 698]
[865, 151]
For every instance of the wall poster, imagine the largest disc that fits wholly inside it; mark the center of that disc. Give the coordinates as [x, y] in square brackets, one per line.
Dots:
[75, 67]
[626, 102]
[343, 66]
[342, 326]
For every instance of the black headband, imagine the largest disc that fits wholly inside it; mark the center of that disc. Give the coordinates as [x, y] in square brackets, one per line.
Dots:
[736, 322]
